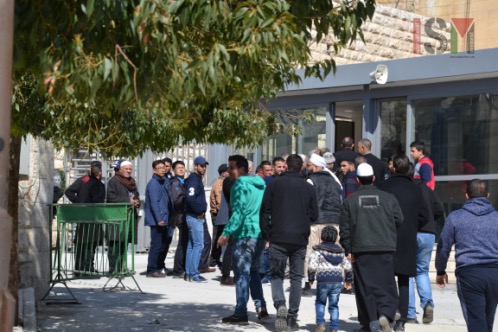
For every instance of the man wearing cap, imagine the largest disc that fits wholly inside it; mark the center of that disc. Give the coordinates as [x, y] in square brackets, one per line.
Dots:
[196, 218]
[329, 160]
[328, 193]
[371, 247]
[215, 203]
[121, 188]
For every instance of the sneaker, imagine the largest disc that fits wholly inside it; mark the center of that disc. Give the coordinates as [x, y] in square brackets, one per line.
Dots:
[262, 314]
[235, 320]
[412, 321]
[198, 279]
[281, 320]
[384, 324]
[428, 314]
[320, 328]
[292, 324]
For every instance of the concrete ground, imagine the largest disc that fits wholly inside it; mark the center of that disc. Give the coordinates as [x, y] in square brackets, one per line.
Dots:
[175, 305]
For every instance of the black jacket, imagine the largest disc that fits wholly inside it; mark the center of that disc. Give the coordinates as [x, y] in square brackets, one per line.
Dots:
[416, 215]
[91, 191]
[288, 209]
[436, 208]
[369, 221]
[378, 166]
[178, 196]
[344, 154]
[195, 195]
[329, 196]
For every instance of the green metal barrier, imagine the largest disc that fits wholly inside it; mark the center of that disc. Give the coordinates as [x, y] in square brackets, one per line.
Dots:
[92, 242]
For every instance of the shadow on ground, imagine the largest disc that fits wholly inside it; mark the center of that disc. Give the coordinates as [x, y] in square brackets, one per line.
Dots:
[133, 311]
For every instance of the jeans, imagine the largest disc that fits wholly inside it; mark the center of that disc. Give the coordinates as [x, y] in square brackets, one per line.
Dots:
[245, 261]
[157, 250]
[332, 292]
[278, 261]
[425, 244]
[195, 245]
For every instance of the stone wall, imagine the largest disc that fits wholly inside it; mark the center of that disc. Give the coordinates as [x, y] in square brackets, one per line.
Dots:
[34, 224]
[389, 35]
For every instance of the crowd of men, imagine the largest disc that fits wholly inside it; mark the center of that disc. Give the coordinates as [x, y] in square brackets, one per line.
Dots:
[342, 219]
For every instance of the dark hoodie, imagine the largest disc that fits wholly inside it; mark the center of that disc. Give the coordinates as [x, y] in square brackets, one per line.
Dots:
[474, 231]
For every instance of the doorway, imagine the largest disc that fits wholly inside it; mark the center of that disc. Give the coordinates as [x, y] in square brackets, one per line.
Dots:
[348, 121]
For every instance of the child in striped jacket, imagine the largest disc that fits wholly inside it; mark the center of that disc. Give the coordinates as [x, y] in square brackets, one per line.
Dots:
[330, 268]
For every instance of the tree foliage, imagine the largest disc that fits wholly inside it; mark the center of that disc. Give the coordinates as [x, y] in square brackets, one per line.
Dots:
[128, 75]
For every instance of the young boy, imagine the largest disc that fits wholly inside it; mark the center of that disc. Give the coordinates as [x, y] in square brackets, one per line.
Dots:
[424, 167]
[329, 267]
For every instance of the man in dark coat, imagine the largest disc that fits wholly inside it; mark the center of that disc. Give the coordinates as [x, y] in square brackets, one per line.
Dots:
[88, 235]
[121, 188]
[368, 231]
[364, 147]
[416, 214]
[347, 152]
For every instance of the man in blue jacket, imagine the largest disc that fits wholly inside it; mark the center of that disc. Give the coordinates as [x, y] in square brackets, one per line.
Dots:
[473, 230]
[196, 217]
[158, 208]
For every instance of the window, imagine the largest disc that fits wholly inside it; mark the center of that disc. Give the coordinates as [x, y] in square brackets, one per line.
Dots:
[393, 128]
[460, 133]
[312, 133]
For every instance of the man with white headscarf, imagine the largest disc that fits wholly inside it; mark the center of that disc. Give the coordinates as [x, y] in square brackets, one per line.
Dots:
[328, 191]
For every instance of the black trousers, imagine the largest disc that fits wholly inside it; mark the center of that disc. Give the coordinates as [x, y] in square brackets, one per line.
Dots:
[117, 253]
[478, 293]
[375, 286]
[157, 250]
[226, 265]
[204, 262]
[84, 256]
[181, 249]
[403, 291]
[215, 250]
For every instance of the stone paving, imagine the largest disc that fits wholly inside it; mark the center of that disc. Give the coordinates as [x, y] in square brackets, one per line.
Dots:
[175, 305]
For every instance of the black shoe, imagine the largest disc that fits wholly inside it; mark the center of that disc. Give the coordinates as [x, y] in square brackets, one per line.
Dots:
[144, 273]
[156, 274]
[399, 326]
[428, 314]
[281, 320]
[235, 320]
[175, 274]
[412, 321]
[292, 324]
[363, 328]
[227, 281]
[262, 314]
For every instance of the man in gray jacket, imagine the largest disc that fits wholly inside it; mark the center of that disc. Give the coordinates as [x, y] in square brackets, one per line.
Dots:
[369, 220]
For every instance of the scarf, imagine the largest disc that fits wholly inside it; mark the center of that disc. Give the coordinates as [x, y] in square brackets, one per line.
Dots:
[129, 183]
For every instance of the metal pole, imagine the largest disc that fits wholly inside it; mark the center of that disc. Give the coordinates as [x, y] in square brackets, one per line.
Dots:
[7, 302]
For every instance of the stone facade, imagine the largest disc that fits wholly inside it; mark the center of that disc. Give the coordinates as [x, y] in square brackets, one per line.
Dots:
[388, 36]
[34, 195]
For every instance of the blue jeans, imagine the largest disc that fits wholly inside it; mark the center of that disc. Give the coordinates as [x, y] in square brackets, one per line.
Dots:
[332, 292]
[194, 246]
[246, 256]
[425, 244]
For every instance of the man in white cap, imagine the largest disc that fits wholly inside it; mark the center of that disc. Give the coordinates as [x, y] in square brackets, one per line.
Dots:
[368, 230]
[329, 160]
[328, 192]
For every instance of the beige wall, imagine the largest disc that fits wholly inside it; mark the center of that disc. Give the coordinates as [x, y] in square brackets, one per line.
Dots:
[483, 12]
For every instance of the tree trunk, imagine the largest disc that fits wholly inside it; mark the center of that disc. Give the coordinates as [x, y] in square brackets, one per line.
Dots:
[13, 210]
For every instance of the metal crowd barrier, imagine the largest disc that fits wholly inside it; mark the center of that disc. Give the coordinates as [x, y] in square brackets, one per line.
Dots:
[92, 242]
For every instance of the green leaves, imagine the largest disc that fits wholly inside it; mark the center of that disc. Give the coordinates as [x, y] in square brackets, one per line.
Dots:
[196, 69]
